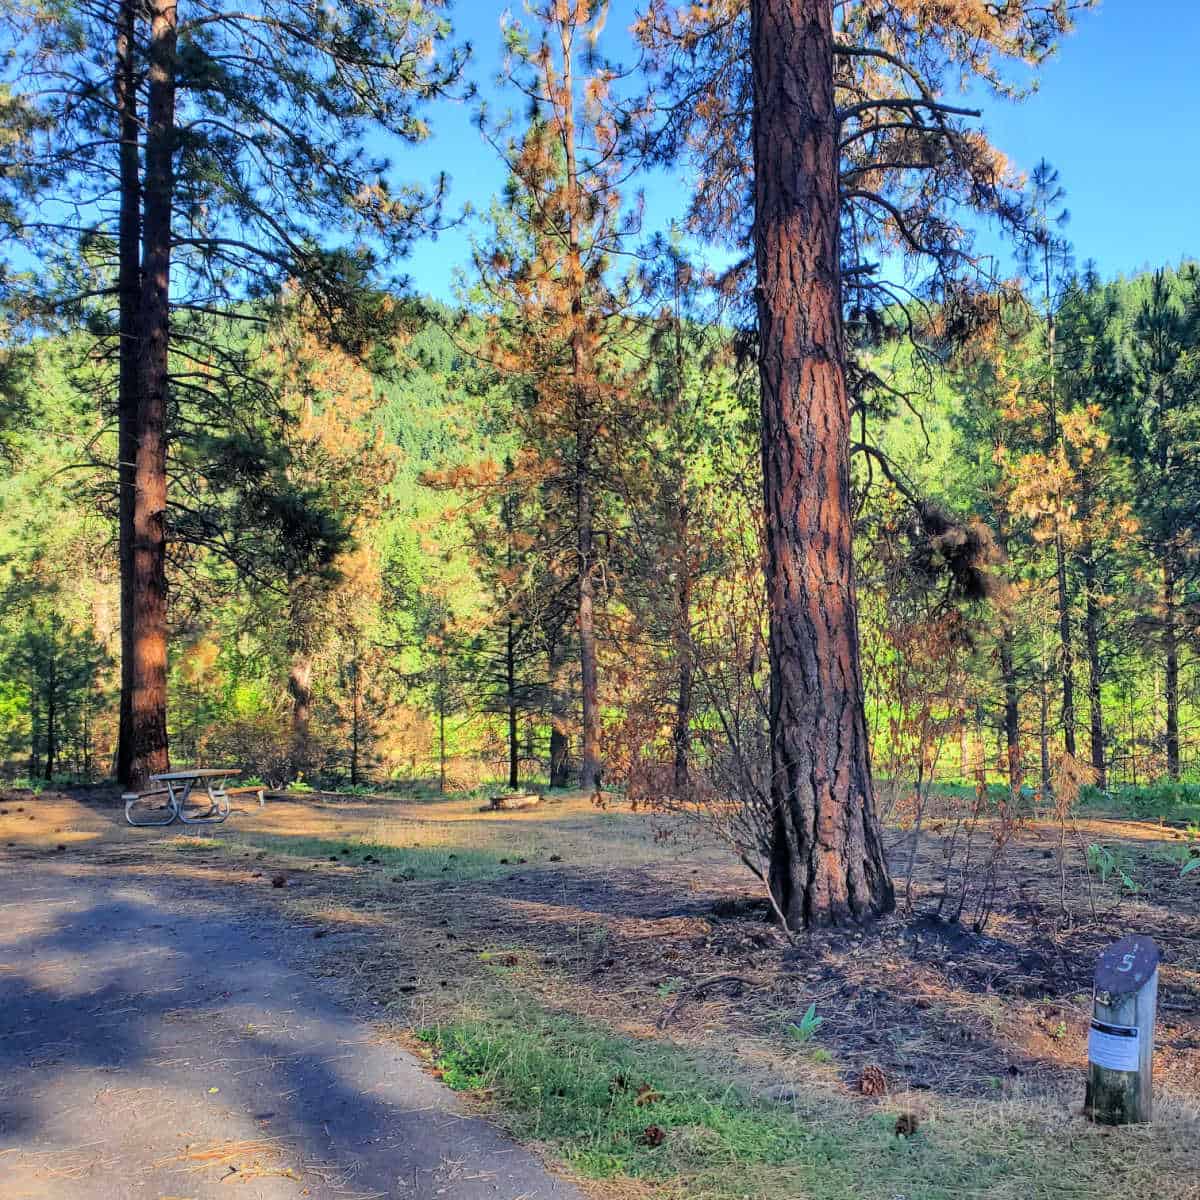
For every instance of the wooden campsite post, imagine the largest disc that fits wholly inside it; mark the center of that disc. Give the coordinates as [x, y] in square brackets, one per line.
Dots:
[1121, 1040]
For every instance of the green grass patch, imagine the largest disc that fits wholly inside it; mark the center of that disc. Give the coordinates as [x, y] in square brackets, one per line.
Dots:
[616, 1108]
[417, 862]
[1161, 801]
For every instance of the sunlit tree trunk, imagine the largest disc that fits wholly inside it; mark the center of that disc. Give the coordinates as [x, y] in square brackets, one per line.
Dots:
[128, 287]
[827, 860]
[149, 677]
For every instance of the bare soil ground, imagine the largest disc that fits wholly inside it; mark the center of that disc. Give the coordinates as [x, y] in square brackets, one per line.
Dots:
[595, 913]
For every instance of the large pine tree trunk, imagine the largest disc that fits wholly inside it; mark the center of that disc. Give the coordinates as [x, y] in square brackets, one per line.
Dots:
[1091, 641]
[128, 286]
[827, 860]
[149, 642]
[1170, 641]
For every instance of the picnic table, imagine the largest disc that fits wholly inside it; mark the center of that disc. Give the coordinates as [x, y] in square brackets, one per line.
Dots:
[176, 789]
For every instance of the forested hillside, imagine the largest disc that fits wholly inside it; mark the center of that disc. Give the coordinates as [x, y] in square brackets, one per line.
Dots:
[426, 629]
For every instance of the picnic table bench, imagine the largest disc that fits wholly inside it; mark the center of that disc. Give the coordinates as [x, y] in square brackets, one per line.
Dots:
[176, 791]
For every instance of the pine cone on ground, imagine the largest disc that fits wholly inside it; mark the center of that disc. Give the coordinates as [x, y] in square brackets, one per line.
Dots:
[872, 1082]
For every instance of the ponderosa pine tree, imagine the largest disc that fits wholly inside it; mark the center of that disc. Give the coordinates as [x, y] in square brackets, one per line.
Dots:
[555, 316]
[1046, 257]
[251, 149]
[833, 119]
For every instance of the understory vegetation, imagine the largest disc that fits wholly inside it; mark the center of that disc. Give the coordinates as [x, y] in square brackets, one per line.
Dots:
[405, 651]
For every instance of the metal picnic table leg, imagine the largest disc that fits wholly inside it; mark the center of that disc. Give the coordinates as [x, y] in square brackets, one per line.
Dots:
[218, 805]
[132, 798]
[220, 800]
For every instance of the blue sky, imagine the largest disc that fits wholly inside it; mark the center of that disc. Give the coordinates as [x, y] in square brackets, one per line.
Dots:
[1117, 112]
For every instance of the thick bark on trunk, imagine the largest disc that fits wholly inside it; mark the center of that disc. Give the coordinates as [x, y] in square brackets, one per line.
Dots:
[560, 759]
[1012, 713]
[827, 860]
[1170, 638]
[1091, 640]
[128, 286]
[149, 677]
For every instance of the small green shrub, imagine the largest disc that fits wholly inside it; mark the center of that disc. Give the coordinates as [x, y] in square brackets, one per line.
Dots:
[805, 1029]
[1112, 864]
[1162, 799]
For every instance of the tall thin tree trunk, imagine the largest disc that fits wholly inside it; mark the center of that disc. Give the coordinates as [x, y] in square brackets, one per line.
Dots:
[681, 735]
[827, 860]
[560, 761]
[1044, 731]
[510, 684]
[442, 727]
[35, 729]
[1091, 640]
[149, 679]
[51, 715]
[128, 287]
[964, 745]
[1170, 643]
[355, 718]
[589, 768]
[1066, 651]
[1012, 712]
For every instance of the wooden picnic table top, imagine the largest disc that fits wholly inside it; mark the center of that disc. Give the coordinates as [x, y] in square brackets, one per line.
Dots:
[196, 773]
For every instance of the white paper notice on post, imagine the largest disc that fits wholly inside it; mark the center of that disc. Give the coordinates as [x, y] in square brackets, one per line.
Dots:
[1114, 1046]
